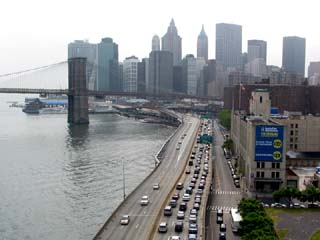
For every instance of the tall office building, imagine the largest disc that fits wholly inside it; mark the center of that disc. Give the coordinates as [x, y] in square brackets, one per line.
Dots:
[142, 73]
[82, 48]
[172, 42]
[202, 45]
[294, 54]
[160, 72]
[107, 69]
[130, 74]
[314, 68]
[189, 74]
[155, 43]
[257, 49]
[229, 45]
[210, 76]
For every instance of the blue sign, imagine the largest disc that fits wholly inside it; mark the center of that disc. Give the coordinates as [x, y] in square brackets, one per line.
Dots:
[269, 143]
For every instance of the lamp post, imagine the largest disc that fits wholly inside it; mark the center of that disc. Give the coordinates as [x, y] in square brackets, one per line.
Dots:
[124, 181]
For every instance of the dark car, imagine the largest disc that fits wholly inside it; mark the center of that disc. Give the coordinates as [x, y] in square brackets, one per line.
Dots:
[222, 236]
[189, 190]
[188, 171]
[183, 206]
[190, 163]
[175, 196]
[173, 203]
[193, 228]
[178, 226]
[223, 227]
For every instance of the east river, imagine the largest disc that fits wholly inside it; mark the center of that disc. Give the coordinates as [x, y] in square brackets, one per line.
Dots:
[60, 182]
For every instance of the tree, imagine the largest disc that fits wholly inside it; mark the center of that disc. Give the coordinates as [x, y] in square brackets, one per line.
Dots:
[248, 205]
[228, 144]
[312, 193]
[225, 118]
[286, 192]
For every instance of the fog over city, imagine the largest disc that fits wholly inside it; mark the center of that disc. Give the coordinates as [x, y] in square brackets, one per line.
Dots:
[35, 33]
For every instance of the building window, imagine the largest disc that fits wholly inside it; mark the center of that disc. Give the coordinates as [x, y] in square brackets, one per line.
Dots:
[296, 125]
[291, 125]
[258, 174]
[291, 139]
[260, 99]
[277, 175]
[277, 165]
[258, 164]
[291, 146]
[262, 174]
[262, 165]
[273, 174]
[295, 146]
[291, 133]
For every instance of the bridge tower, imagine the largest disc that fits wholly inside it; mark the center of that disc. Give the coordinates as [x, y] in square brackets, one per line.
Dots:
[78, 93]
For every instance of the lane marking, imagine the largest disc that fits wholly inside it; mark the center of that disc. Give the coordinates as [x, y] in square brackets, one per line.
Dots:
[137, 225]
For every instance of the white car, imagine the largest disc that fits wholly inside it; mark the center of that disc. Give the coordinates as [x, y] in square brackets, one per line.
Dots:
[186, 197]
[156, 186]
[174, 238]
[144, 200]
[125, 220]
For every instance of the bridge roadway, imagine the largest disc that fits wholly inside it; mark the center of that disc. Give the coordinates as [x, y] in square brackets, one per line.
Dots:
[143, 217]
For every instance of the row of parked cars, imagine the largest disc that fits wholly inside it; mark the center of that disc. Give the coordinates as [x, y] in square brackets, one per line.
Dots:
[222, 227]
[235, 177]
[292, 205]
[197, 170]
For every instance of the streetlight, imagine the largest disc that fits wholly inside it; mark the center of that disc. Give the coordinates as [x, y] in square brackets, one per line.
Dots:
[124, 181]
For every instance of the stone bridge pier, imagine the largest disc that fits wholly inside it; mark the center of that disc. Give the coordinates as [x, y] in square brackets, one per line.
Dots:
[78, 93]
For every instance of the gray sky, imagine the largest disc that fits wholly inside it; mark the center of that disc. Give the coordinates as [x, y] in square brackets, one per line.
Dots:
[36, 32]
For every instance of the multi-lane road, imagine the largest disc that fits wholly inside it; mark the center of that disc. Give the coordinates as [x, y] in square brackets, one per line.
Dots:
[143, 218]
[224, 195]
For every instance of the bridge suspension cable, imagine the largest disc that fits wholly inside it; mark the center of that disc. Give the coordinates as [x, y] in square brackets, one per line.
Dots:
[32, 69]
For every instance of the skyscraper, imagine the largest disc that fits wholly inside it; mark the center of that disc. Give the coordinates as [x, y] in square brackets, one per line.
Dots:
[228, 45]
[130, 74]
[189, 74]
[202, 45]
[160, 72]
[257, 49]
[107, 69]
[172, 42]
[294, 54]
[155, 43]
[82, 48]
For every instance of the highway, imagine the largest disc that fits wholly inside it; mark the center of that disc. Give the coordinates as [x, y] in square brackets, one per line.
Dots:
[204, 157]
[167, 173]
[224, 195]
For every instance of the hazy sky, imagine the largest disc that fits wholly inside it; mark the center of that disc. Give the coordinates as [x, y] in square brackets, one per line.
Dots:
[36, 32]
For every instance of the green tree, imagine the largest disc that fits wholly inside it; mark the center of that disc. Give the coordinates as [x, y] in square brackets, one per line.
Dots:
[286, 192]
[248, 205]
[312, 193]
[228, 144]
[225, 118]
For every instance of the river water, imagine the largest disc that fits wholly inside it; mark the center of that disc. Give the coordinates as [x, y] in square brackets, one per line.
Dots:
[60, 182]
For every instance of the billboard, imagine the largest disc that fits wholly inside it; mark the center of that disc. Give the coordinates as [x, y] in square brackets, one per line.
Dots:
[269, 143]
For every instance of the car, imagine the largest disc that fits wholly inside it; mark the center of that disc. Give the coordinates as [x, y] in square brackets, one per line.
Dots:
[196, 206]
[222, 236]
[183, 206]
[297, 205]
[178, 227]
[192, 185]
[237, 183]
[174, 238]
[186, 197]
[190, 163]
[188, 171]
[180, 215]
[192, 236]
[219, 219]
[313, 205]
[188, 191]
[197, 200]
[167, 211]
[125, 219]
[179, 186]
[278, 205]
[163, 227]
[223, 227]
[156, 186]
[193, 180]
[198, 195]
[175, 196]
[193, 212]
[201, 186]
[200, 191]
[178, 147]
[144, 200]
[192, 218]
[193, 228]
[173, 203]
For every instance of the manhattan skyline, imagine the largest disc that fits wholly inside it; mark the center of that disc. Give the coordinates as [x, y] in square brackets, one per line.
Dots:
[42, 37]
